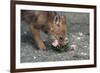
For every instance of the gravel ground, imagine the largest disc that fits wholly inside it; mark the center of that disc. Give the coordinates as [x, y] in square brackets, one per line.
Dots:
[78, 32]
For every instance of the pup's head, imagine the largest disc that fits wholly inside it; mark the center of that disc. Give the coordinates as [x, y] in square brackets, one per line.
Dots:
[58, 31]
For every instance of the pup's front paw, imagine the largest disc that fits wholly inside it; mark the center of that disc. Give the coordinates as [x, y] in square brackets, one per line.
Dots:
[44, 49]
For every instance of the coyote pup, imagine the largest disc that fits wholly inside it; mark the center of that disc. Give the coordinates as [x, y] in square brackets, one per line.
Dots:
[49, 22]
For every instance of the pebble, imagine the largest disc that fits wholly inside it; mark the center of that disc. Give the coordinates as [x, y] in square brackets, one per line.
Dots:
[73, 47]
[78, 38]
[85, 46]
[25, 32]
[80, 33]
[83, 53]
[34, 57]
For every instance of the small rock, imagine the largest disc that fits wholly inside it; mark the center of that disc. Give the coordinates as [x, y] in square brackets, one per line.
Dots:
[83, 53]
[39, 55]
[85, 46]
[25, 32]
[73, 47]
[34, 57]
[78, 38]
[80, 33]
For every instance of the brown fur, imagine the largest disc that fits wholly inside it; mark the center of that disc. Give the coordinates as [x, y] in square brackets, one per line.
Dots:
[49, 22]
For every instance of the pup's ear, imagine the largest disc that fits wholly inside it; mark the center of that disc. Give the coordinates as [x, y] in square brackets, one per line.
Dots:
[63, 18]
[57, 20]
